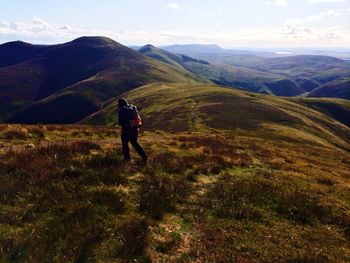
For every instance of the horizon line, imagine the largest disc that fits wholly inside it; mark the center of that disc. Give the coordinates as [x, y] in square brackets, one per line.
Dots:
[319, 48]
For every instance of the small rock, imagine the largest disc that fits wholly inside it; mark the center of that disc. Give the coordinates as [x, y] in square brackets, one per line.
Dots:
[30, 145]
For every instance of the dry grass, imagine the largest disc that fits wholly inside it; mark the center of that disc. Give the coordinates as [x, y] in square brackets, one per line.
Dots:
[201, 197]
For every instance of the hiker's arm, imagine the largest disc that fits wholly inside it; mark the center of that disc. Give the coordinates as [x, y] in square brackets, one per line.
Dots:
[121, 118]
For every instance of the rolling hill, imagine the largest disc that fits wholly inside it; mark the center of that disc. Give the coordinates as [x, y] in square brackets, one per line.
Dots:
[316, 67]
[339, 88]
[86, 71]
[338, 109]
[228, 75]
[12, 53]
[195, 107]
[67, 82]
[322, 69]
[299, 74]
[232, 176]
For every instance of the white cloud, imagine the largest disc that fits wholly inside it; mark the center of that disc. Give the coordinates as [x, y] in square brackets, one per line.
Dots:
[313, 18]
[326, 1]
[278, 2]
[322, 15]
[281, 2]
[173, 5]
[297, 34]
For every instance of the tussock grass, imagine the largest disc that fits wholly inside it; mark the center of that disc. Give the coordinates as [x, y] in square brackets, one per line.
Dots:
[200, 198]
[160, 193]
[242, 199]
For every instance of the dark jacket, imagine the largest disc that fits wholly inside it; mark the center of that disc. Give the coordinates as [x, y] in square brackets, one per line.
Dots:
[123, 120]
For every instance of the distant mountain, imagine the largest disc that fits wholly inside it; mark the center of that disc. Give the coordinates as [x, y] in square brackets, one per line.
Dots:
[297, 74]
[12, 53]
[319, 68]
[229, 75]
[67, 82]
[86, 71]
[193, 48]
[168, 57]
[339, 88]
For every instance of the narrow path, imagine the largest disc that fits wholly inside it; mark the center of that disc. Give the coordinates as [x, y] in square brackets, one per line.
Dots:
[194, 112]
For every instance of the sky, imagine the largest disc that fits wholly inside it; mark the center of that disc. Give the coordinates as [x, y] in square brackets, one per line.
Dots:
[228, 23]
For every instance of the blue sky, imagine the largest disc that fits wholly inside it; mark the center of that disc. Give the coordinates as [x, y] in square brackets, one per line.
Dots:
[229, 23]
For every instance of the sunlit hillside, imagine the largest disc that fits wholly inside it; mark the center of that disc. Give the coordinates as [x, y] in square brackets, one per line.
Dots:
[232, 177]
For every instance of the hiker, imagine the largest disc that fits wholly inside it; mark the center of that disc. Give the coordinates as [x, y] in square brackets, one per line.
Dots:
[130, 122]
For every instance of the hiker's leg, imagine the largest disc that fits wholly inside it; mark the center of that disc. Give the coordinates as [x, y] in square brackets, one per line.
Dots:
[136, 145]
[125, 145]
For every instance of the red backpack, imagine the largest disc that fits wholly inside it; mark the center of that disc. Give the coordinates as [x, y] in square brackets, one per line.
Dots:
[134, 118]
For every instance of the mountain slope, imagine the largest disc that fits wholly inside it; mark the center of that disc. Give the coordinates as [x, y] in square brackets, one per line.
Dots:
[229, 75]
[339, 88]
[306, 71]
[230, 174]
[177, 61]
[96, 68]
[193, 48]
[12, 53]
[193, 107]
[338, 109]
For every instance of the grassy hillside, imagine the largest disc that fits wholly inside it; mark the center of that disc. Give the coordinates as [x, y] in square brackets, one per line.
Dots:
[182, 107]
[336, 108]
[320, 68]
[304, 73]
[339, 88]
[228, 75]
[232, 177]
[167, 57]
[89, 69]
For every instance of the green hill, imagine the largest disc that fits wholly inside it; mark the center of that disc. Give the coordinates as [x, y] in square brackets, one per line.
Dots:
[297, 74]
[319, 68]
[339, 88]
[231, 175]
[228, 75]
[338, 109]
[86, 72]
[66, 83]
[194, 107]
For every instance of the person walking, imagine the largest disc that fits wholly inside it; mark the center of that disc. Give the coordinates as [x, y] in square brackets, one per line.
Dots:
[130, 122]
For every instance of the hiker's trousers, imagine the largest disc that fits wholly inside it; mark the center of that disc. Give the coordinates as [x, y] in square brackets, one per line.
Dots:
[131, 136]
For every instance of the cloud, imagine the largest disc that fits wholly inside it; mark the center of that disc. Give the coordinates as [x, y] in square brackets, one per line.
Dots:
[319, 17]
[40, 31]
[43, 32]
[322, 15]
[326, 1]
[173, 5]
[278, 2]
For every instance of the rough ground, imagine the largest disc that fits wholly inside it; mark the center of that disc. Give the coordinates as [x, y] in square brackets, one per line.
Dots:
[218, 196]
